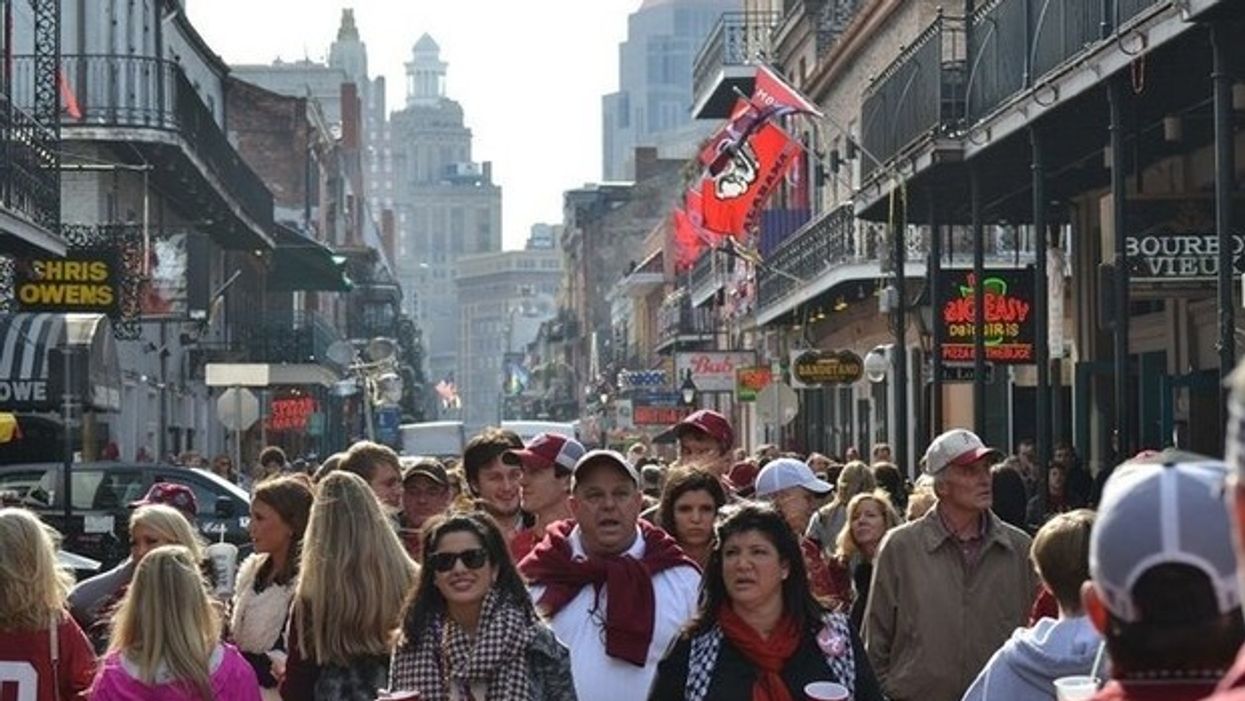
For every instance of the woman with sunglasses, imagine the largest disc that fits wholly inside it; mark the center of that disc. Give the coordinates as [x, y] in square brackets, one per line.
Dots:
[471, 631]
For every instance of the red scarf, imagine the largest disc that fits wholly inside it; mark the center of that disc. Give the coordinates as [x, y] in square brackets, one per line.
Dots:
[768, 655]
[631, 605]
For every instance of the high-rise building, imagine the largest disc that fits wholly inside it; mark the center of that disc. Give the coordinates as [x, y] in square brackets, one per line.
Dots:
[447, 204]
[652, 106]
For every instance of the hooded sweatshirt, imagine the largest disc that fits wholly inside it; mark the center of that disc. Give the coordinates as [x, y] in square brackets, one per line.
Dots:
[1028, 664]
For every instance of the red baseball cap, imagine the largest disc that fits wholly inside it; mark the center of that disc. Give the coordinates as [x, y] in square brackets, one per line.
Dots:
[709, 422]
[178, 496]
[547, 450]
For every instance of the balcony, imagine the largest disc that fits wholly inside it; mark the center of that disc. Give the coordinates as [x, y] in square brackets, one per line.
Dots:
[290, 338]
[150, 104]
[919, 95]
[724, 62]
[682, 326]
[29, 180]
[827, 242]
[709, 275]
[1016, 43]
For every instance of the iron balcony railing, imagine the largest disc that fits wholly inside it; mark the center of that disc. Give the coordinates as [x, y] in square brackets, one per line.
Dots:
[289, 337]
[154, 93]
[837, 239]
[738, 39]
[1015, 43]
[677, 317]
[29, 179]
[920, 92]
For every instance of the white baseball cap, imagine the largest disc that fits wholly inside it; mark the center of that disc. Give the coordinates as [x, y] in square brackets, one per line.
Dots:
[955, 447]
[788, 472]
[1162, 509]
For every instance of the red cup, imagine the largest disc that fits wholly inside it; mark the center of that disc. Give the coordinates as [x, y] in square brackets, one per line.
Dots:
[826, 691]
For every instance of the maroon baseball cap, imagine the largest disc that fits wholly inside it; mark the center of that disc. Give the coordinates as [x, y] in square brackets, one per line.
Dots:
[547, 450]
[709, 422]
[178, 496]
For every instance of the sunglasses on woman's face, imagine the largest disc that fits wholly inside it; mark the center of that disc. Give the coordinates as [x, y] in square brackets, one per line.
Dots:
[474, 559]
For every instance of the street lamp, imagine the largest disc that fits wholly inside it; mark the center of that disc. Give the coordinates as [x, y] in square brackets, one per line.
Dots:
[688, 389]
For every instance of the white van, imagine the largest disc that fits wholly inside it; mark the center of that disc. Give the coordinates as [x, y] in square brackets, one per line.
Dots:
[437, 439]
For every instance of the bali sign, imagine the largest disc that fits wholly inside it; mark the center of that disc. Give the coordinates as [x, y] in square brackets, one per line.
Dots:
[1009, 326]
[712, 371]
[815, 368]
[82, 281]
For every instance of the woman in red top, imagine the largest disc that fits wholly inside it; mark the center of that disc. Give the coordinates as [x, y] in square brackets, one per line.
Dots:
[43, 652]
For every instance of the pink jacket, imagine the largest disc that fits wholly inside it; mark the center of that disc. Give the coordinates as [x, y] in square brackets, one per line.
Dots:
[232, 678]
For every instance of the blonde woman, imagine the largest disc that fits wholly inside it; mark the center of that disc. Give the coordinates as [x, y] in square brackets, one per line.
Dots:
[869, 517]
[93, 601]
[354, 577]
[44, 655]
[855, 478]
[166, 639]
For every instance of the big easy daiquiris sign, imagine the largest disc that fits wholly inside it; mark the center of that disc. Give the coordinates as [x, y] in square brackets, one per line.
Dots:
[1009, 326]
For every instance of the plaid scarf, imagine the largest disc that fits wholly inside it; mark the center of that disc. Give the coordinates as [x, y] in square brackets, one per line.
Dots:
[446, 657]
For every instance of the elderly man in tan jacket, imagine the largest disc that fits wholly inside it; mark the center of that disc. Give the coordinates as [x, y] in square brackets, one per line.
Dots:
[949, 588]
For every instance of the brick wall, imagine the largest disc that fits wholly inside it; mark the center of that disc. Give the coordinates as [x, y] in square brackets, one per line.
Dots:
[271, 133]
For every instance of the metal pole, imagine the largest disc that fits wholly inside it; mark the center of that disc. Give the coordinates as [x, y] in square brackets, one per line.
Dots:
[899, 359]
[1041, 304]
[1225, 170]
[979, 303]
[368, 420]
[935, 280]
[237, 432]
[67, 399]
[1116, 96]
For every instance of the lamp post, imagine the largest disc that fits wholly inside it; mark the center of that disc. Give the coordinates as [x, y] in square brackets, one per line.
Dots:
[688, 389]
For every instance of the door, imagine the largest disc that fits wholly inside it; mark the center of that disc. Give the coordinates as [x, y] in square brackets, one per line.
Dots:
[1190, 410]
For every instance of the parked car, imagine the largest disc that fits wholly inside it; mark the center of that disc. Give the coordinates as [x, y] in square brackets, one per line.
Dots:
[102, 493]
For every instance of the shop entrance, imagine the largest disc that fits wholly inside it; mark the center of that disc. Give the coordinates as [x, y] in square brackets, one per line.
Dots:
[1191, 411]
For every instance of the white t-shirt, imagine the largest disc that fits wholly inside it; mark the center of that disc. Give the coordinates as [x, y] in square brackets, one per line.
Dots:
[598, 676]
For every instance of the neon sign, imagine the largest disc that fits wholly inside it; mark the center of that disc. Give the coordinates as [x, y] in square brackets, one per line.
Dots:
[1008, 328]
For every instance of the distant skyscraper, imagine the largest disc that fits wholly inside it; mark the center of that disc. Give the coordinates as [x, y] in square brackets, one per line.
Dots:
[652, 106]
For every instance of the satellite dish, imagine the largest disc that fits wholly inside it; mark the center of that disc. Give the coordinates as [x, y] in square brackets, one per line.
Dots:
[381, 348]
[340, 352]
[784, 407]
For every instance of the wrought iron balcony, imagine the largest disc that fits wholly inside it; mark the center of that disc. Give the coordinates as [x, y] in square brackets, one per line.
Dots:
[29, 179]
[1014, 43]
[289, 337]
[143, 92]
[724, 61]
[678, 322]
[919, 94]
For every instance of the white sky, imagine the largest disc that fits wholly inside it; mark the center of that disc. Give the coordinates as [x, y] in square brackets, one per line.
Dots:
[529, 75]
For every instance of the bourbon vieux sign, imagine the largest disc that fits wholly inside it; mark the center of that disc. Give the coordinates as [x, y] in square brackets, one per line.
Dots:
[1179, 257]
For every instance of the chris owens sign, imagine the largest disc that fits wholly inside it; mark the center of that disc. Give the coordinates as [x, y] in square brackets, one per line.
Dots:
[83, 281]
[1162, 256]
[1009, 327]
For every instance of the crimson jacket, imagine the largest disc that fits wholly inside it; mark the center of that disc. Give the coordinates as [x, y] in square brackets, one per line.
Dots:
[31, 650]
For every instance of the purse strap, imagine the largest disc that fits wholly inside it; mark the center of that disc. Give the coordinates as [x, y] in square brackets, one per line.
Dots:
[55, 650]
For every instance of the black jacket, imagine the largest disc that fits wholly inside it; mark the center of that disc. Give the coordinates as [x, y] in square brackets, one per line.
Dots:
[734, 675]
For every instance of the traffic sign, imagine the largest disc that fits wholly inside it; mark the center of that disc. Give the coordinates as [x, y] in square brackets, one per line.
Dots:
[237, 408]
[777, 401]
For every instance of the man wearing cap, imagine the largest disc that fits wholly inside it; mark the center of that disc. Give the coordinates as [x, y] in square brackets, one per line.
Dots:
[425, 493]
[949, 588]
[793, 489]
[1232, 688]
[706, 440]
[615, 589]
[1163, 588]
[544, 485]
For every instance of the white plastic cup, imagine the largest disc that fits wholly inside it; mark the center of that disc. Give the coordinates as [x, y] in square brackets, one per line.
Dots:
[826, 691]
[404, 695]
[1076, 688]
[224, 558]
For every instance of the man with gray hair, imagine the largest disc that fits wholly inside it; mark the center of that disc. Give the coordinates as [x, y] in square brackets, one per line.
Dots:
[949, 588]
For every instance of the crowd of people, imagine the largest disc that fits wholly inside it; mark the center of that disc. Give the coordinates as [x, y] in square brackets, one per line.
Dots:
[543, 570]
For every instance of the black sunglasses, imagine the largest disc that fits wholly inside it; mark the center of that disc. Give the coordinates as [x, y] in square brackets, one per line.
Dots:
[474, 559]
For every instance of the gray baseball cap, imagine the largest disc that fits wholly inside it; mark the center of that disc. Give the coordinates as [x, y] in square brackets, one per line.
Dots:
[1165, 508]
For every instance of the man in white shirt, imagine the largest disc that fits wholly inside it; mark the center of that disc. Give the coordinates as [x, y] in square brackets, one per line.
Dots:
[616, 590]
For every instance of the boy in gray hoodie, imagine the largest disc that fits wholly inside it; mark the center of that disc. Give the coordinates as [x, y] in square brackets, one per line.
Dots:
[1027, 665]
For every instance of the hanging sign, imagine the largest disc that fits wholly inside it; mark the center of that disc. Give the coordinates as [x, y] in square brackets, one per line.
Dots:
[751, 380]
[1009, 326]
[813, 368]
[712, 371]
[291, 413]
[84, 280]
[1170, 256]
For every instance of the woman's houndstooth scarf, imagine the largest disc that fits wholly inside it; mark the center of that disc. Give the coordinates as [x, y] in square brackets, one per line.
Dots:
[444, 656]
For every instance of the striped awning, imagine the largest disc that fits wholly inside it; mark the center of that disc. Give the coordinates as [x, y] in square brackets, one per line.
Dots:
[28, 352]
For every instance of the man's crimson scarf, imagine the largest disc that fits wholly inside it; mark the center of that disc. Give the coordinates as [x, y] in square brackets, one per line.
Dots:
[631, 605]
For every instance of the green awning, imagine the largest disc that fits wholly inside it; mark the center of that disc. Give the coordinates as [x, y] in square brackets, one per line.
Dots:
[300, 263]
